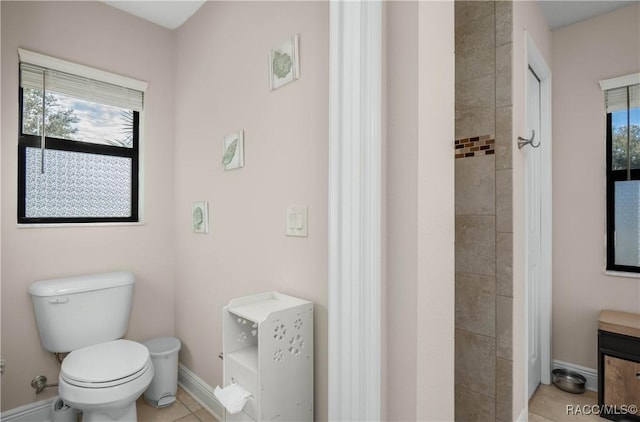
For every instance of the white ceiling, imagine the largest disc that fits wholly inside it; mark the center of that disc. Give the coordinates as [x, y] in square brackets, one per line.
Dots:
[567, 12]
[170, 14]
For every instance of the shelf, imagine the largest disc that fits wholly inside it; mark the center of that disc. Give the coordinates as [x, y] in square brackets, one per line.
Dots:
[247, 358]
[263, 338]
[257, 308]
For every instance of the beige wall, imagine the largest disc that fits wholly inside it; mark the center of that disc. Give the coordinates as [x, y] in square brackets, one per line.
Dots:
[402, 208]
[92, 34]
[528, 17]
[435, 229]
[222, 85]
[419, 224]
[584, 53]
[419, 234]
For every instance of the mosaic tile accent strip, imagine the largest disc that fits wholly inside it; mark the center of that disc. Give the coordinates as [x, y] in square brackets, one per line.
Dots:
[476, 146]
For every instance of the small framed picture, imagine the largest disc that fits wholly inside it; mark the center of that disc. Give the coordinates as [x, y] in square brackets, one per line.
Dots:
[284, 65]
[233, 151]
[200, 217]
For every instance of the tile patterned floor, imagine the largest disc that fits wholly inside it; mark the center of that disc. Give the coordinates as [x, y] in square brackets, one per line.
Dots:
[185, 409]
[550, 404]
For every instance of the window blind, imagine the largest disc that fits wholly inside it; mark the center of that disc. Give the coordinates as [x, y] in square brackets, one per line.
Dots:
[31, 76]
[616, 99]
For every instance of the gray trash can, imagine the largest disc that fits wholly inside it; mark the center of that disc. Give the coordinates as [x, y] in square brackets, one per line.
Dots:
[164, 385]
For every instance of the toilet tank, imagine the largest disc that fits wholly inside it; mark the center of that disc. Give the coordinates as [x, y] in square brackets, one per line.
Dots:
[75, 312]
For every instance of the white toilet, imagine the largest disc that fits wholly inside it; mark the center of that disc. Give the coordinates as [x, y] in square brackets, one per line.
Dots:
[87, 315]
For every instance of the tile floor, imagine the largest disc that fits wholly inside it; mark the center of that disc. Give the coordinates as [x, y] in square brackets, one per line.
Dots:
[549, 404]
[185, 409]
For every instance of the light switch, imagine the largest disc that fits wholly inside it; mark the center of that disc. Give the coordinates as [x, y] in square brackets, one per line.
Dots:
[291, 219]
[297, 221]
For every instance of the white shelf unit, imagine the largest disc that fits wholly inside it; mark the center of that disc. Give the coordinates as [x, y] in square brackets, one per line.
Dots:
[268, 349]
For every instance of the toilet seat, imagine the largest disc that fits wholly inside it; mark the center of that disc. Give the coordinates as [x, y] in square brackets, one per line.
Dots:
[106, 364]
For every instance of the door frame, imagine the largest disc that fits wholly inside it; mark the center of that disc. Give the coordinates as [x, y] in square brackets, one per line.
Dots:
[535, 60]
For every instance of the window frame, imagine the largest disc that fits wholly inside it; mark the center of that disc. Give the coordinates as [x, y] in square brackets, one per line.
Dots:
[34, 141]
[80, 70]
[612, 177]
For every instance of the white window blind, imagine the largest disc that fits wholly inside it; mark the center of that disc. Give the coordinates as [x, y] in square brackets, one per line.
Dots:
[32, 76]
[616, 92]
[616, 99]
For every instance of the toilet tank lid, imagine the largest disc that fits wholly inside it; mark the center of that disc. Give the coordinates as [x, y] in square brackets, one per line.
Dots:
[82, 283]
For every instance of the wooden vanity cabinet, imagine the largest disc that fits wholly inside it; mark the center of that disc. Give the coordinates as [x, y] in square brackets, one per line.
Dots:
[619, 365]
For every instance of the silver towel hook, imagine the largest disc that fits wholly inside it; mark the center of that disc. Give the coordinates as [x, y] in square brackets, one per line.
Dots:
[522, 141]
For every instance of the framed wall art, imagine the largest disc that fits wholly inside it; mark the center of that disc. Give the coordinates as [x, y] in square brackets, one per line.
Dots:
[233, 151]
[284, 66]
[200, 217]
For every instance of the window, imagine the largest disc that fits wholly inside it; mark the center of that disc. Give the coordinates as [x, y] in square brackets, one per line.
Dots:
[623, 178]
[78, 147]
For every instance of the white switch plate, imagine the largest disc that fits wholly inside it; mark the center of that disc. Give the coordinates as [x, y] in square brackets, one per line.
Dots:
[297, 221]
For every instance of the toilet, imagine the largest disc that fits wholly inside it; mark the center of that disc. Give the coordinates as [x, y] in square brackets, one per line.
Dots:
[103, 375]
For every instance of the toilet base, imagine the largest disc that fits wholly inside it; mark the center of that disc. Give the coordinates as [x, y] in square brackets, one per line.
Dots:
[128, 414]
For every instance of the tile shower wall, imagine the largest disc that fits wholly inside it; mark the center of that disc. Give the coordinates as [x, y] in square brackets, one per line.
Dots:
[483, 206]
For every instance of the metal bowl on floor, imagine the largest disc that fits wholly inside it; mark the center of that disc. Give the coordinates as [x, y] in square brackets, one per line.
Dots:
[569, 381]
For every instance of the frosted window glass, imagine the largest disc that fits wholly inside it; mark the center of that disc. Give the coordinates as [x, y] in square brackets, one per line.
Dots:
[627, 219]
[77, 184]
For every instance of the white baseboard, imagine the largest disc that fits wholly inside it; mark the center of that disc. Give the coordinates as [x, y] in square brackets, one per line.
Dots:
[203, 393]
[199, 390]
[590, 374]
[39, 411]
[524, 416]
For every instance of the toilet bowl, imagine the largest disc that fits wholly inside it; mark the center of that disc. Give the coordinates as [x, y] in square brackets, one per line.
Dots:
[106, 379]
[103, 375]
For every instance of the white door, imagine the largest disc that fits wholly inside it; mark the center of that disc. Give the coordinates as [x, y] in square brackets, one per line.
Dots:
[533, 229]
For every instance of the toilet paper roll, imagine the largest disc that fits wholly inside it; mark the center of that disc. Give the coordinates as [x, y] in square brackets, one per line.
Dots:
[232, 397]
